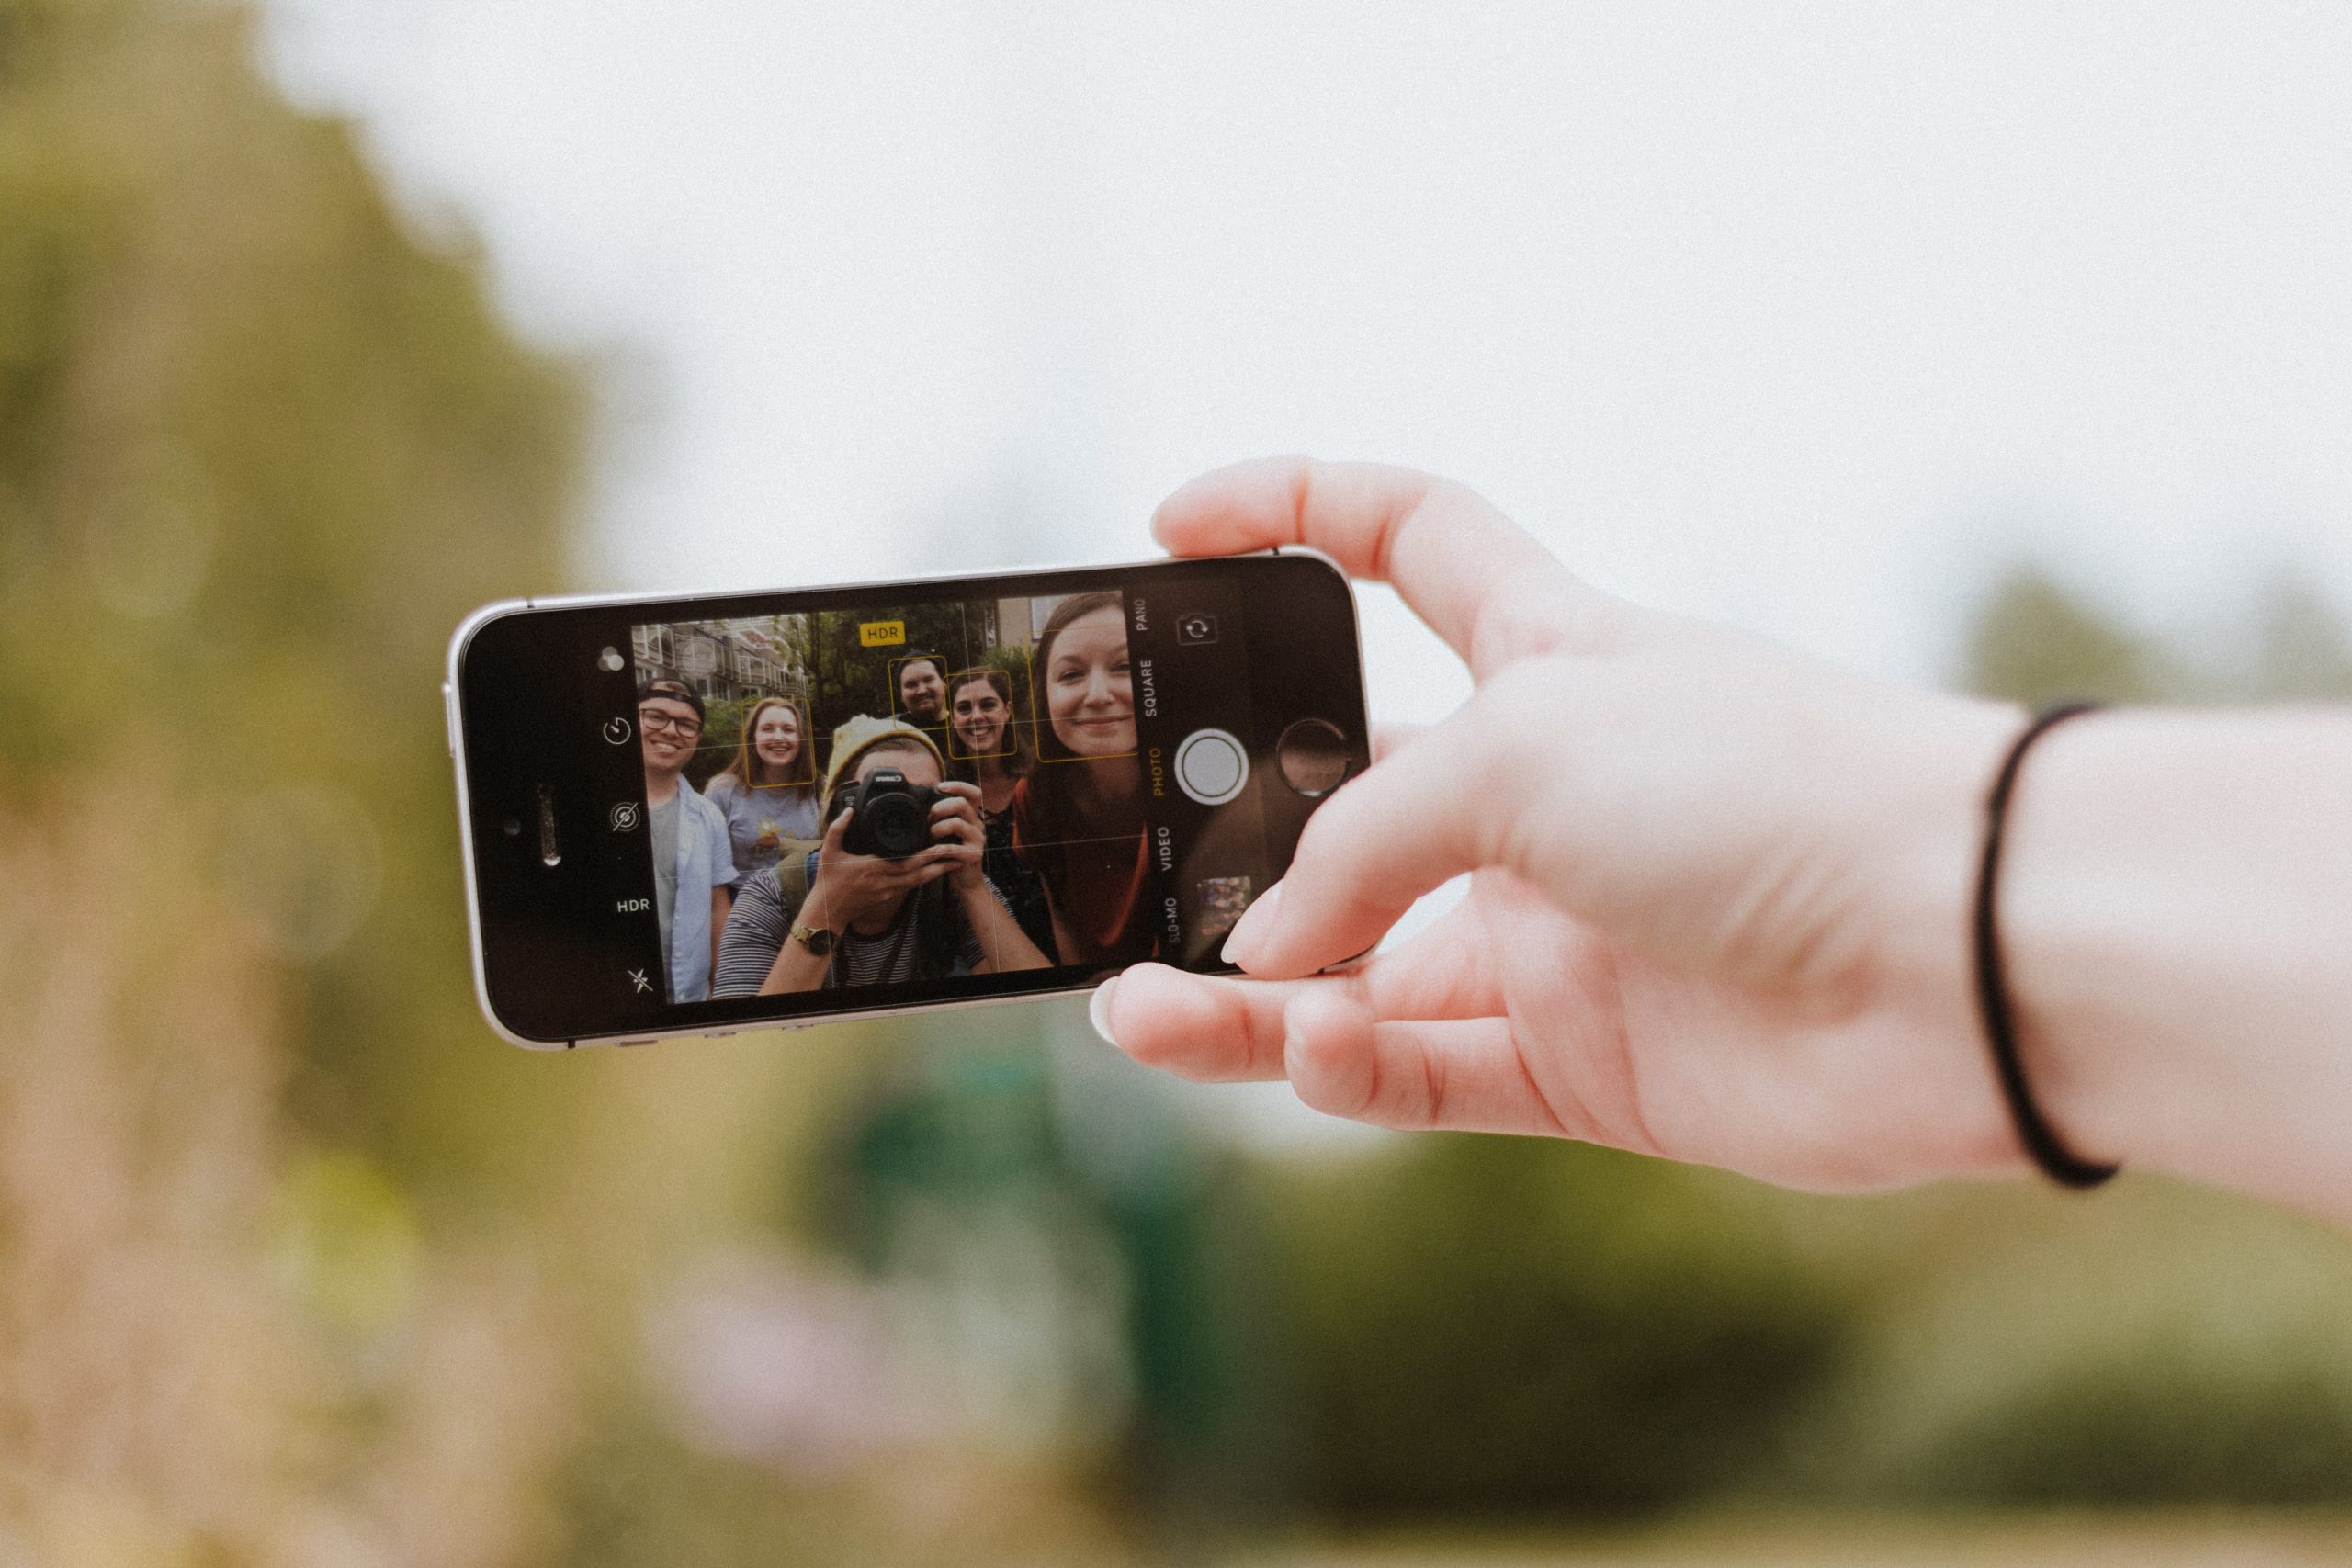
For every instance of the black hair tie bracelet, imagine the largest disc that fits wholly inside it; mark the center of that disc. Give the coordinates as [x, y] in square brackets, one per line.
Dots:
[2057, 1162]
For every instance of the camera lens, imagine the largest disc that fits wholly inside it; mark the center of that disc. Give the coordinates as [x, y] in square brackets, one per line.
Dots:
[898, 824]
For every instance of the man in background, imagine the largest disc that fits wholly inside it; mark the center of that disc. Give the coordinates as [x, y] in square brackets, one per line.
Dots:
[693, 866]
[922, 694]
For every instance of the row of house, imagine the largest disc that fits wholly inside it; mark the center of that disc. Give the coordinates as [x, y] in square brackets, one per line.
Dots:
[723, 661]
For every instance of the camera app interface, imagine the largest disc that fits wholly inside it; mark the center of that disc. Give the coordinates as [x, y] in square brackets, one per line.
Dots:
[930, 794]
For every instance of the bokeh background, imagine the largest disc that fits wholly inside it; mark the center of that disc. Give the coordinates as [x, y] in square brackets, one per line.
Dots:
[2002, 345]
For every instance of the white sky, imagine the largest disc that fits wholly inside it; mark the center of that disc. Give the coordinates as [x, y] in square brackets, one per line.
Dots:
[1802, 316]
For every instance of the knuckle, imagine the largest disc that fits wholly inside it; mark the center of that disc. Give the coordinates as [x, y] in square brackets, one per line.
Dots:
[1318, 1090]
[1152, 1045]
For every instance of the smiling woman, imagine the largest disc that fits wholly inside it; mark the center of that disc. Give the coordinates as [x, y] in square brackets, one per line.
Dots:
[768, 792]
[1078, 821]
[990, 749]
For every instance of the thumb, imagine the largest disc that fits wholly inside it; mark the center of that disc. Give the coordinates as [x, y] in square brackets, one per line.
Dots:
[1412, 822]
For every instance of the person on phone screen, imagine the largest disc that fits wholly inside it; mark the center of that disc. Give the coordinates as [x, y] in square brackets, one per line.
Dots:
[1078, 818]
[923, 693]
[986, 747]
[768, 793]
[829, 918]
[693, 866]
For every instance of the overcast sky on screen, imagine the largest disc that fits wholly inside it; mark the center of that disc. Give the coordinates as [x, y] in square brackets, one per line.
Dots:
[1804, 317]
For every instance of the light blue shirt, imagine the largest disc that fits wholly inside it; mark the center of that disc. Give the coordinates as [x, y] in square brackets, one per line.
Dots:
[705, 860]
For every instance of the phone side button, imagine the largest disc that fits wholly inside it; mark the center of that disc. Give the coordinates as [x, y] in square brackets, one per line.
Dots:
[449, 715]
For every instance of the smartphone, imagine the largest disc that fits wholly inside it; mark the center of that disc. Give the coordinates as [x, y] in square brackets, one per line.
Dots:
[701, 815]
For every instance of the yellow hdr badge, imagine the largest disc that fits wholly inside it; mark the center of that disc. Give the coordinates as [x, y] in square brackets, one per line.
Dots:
[881, 634]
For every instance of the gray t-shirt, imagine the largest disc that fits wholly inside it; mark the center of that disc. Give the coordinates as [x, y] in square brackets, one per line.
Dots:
[758, 820]
[665, 863]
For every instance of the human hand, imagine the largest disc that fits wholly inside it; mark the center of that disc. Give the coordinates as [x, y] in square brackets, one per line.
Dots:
[849, 888]
[956, 824]
[1719, 893]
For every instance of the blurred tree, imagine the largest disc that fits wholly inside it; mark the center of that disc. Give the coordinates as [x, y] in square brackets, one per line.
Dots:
[2300, 650]
[1517, 1326]
[260, 447]
[2034, 643]
[298, 1263]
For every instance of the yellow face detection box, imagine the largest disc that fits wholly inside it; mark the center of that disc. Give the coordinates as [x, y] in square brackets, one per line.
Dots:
[881, 634]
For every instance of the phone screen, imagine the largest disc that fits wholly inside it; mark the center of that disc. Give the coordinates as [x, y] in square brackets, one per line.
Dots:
[848, 800]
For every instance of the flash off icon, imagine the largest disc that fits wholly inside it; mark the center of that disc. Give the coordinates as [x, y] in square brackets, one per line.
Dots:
[625, 817]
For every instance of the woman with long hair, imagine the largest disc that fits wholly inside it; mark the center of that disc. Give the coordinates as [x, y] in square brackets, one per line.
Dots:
[768, 793]
[1078, 818]
[987, 749]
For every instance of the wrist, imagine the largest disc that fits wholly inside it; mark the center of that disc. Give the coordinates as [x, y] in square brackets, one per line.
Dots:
[2176, 898]
[1924, 854]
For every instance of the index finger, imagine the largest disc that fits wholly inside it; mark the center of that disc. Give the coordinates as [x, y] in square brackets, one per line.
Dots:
[1482, 583]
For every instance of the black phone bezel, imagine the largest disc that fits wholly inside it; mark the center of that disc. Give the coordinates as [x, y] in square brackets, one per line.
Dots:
[542, 939]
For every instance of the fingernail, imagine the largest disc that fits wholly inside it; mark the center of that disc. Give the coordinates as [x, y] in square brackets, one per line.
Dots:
[1098, 1010]
[1251, 931]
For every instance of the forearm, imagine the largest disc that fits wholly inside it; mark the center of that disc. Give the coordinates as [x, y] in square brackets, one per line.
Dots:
[2176, 919]
[1007, 946]
[795, 969]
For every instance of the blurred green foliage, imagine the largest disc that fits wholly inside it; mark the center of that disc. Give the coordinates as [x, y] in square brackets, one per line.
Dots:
[2035, 643]
[260, 446]
[1489, 1325]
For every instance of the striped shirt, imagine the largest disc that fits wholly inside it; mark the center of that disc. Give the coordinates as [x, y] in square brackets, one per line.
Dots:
[931, 940]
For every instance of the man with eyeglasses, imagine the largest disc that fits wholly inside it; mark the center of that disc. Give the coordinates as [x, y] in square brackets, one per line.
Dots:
[693, 867]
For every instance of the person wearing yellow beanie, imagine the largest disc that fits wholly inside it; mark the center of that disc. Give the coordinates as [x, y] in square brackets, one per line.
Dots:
[826, 918]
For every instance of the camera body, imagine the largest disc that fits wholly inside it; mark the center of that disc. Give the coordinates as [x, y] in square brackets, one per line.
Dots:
[893, 817]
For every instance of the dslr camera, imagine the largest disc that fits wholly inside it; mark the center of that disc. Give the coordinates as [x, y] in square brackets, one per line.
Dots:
[893, 817]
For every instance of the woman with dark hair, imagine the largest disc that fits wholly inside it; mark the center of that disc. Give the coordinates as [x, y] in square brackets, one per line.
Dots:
[769, 792]
[1078, 818]
[986, 748]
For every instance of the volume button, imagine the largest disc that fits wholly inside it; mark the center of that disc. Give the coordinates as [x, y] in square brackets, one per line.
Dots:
[449, 715]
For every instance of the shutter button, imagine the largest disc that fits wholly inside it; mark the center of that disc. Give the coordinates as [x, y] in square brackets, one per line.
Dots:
[1212, 766]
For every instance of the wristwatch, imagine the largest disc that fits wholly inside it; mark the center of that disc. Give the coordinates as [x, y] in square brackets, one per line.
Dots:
[817, 940]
